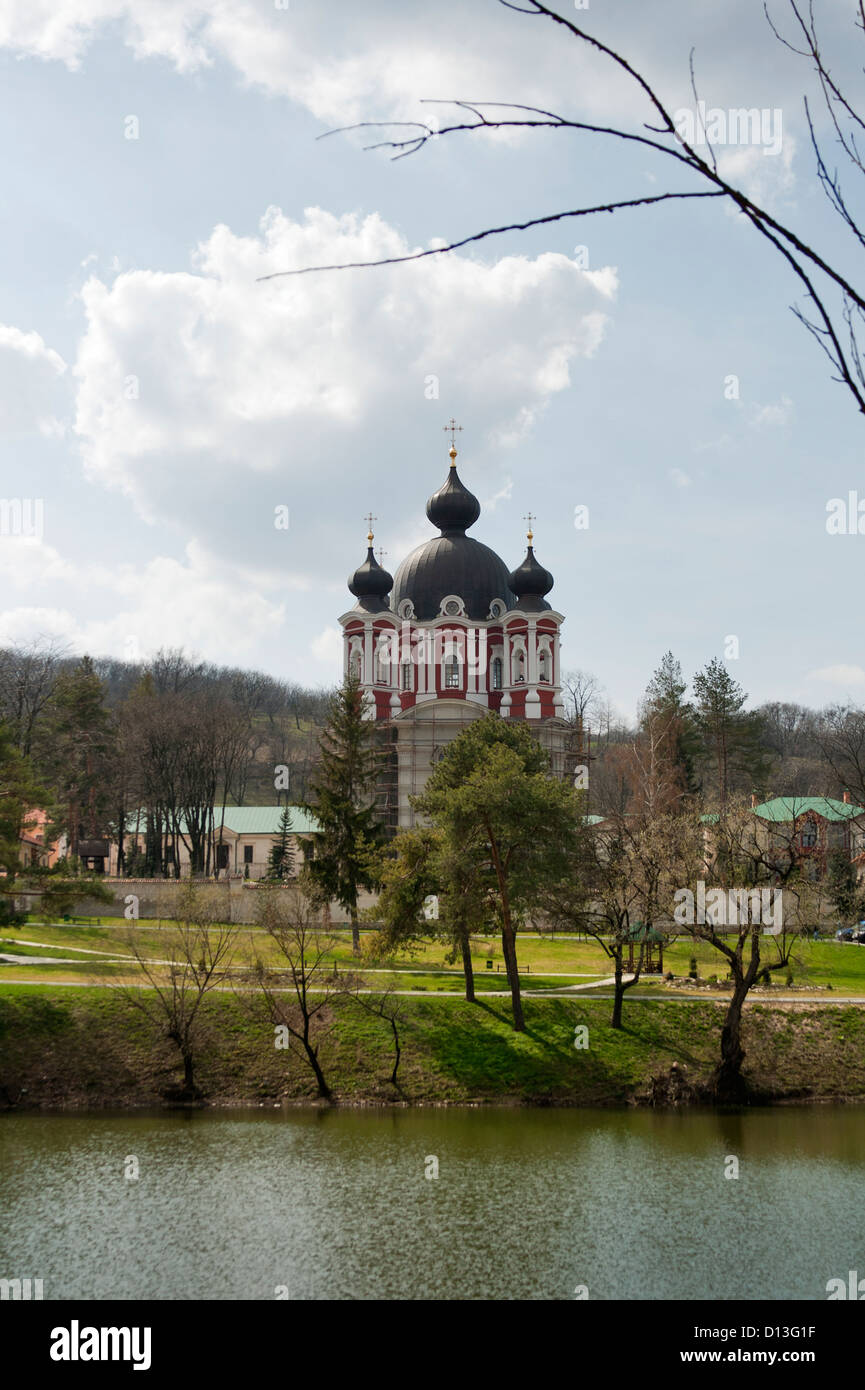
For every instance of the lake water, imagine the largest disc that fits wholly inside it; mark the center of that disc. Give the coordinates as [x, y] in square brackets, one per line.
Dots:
[527, 1204]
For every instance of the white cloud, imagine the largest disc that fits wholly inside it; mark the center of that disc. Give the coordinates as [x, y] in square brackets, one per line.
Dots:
[839, 675]
[165, 602]
[679, 478]
[777, 414]
[190, 381]
[30, 372]
[327, 646]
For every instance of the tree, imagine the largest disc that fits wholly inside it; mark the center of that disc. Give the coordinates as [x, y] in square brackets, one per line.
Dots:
[423, 864]
[306, 1012]
[28, 676]
[19, 792]
[496, 803]
[730, 735]
[743, 868]
[845, 894]
[199, 952]
[82, 748]
[343, 802]
[835, 320]
[280, 861]
[620, 891]
[666, 712]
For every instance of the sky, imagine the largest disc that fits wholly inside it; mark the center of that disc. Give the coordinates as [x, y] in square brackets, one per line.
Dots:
[192, 449]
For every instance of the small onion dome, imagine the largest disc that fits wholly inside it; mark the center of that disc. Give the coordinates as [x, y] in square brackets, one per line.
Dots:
[530, 582]
[370, 583]
[453, 509]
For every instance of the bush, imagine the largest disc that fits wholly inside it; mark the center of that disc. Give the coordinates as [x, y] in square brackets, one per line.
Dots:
[693, 972]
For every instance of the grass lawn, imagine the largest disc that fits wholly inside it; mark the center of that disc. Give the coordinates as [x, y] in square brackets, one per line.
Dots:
[90, 1047]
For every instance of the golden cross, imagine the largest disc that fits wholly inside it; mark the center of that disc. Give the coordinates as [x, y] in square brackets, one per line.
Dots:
[529, 518]
[452, 429]
[369, 519]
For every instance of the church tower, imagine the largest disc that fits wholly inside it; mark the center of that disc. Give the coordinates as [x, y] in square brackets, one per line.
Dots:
[451, 637]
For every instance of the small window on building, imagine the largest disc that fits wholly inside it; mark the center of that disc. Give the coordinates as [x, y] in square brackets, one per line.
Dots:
[519, 667]
[496, 672]
[808, 836]
[222, 856]
[452, 673]
[248, 851]
[544, 666]
[406, 676]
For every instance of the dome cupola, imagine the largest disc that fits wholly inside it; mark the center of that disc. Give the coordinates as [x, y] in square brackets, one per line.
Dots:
[453, 509]
[530, 581]
[452, 564]
[370, 582]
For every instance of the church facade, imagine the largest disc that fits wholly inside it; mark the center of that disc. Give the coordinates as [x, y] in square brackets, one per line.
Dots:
[451, 637]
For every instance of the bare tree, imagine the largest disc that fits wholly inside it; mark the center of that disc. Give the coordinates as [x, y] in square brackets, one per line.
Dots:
[836, 311]
[301, 992]
[197, 959]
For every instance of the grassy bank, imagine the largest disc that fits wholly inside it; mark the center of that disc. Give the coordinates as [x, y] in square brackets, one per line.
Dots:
[85, 1047]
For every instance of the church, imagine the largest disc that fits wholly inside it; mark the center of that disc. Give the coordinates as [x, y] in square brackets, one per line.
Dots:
[453, 636]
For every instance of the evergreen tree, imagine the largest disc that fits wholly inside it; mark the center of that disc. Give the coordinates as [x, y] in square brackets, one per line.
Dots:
[280, 861]
[666, 713]
[81, 748]
[730, 735]
[343, 801]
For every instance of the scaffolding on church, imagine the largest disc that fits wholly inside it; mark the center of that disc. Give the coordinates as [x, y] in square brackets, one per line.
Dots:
[409, 746]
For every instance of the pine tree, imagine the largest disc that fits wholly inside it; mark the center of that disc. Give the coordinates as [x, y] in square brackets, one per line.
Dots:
[343, 801]
[81, 744]
[280, 861]
[731, 735]
[669, 715]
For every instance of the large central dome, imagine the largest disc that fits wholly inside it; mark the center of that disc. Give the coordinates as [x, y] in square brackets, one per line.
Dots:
[452, 562]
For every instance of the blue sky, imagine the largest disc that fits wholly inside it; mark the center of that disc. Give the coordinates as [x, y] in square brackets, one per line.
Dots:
[162, 402]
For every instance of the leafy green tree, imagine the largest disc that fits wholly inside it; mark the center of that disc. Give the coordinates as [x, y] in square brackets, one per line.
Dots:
[493, 797]
[343, 801]
[280, 861]
[421, 865]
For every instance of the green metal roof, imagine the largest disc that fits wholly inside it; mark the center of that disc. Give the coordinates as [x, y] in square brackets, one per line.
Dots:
[247, 820]
[264, 820]
[789, 808]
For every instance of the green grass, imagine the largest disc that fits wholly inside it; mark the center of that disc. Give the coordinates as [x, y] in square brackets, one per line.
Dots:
[87, 1047]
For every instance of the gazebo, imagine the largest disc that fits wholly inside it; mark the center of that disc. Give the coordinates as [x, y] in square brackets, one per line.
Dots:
[652, 942]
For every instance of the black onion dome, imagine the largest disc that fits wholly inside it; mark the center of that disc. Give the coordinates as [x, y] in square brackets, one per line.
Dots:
[452, 563]
[530, 582]
[453, 509]
[371, 584]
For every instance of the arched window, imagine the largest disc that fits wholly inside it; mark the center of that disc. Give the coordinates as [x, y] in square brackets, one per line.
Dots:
[452, 673]
[354, 663]
[519, 666]
[544, 665]
[406, 675]
[496, 673]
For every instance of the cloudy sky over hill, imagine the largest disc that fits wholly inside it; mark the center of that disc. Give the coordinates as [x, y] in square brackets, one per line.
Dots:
[161, 401]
